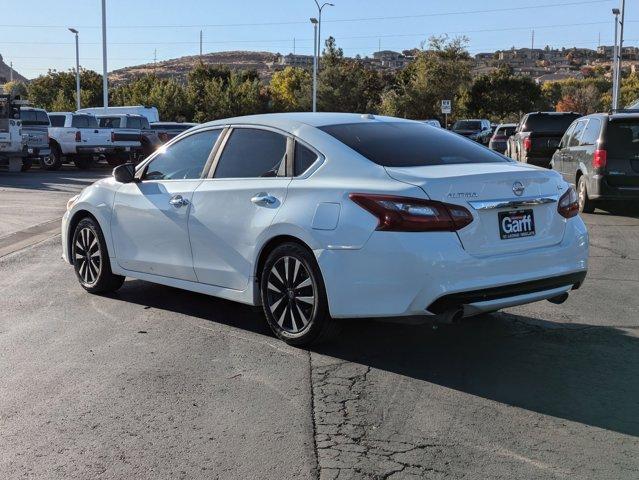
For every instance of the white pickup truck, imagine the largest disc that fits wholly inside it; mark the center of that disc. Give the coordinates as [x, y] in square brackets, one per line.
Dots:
[79, 138]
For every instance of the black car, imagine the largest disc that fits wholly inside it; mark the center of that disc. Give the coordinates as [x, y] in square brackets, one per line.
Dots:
[537, 136]
[478, 130]
[599, 154]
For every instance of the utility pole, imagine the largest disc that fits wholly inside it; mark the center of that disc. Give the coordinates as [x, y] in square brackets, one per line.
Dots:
[105, 80]
[615, 100]
[379, 45]
[293, 45]
[200, 44]
[11, 71]
[77, 68]
[615, 58]
[532, 41]
[318, 41]
[315, 48]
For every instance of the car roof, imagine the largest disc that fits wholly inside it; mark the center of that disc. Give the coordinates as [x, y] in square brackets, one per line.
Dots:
[33, 109]
[287, 121]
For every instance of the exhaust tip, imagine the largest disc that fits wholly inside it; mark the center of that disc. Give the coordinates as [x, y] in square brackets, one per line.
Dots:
[559, 299]
[453, 315]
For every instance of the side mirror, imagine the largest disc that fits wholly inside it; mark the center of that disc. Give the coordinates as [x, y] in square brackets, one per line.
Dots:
[124, 173]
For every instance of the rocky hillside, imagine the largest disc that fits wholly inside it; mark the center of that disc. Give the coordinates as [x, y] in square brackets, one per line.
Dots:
[5, 73]
[179, 68]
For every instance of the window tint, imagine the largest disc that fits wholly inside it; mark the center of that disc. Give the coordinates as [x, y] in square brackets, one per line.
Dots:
[564, 140]
[467, 125]
[574, 138]
[591, 132]
[34, 117]
[408, 144]
[622, 138]
[109, 122]
[304, 158]
[549, 122]
[57, 120]
[133, 122]
[251, 153]
[84, 121]
[183, 160]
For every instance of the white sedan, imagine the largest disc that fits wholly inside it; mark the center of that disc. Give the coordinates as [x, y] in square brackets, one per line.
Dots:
[323, 216]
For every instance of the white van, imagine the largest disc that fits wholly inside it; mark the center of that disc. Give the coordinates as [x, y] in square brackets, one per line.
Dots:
[151, 113]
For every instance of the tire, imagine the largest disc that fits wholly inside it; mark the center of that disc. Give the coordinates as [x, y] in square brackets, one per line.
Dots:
[83, 163]
[91, 259]
[294, 297]
[53, 161]
[585, 204]
[27, 163]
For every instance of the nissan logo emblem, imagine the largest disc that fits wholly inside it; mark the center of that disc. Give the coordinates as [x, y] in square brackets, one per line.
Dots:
[518, 188]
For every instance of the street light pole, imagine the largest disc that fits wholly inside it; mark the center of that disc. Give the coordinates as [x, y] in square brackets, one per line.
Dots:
[619, 54]
[314, 22]
[77, 68]
[615, 57]
[105, 81]
[318, 41]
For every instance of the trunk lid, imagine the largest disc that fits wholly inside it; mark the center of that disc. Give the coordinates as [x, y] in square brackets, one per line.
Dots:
[622, 145]
[481, 188]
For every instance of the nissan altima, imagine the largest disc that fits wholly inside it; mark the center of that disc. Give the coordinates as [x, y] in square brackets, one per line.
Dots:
[322, 216]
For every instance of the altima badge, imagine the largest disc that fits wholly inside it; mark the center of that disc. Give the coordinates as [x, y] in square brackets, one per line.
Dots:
[518, 188]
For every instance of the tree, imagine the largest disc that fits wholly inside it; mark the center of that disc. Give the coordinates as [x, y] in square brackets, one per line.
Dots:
[439, 73]
[290, 90]
[59, 88]
[584, 99]
[167, 95]
[502, 96]
[16, 88]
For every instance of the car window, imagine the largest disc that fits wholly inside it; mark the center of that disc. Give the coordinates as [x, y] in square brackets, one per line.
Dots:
[84, 121]
[251, 153]
[556, 123]
[564, 140]
[622, 138]
[57, 120]
[304, 158]
[183, 160]
[410, 144]
[467, 125]
[134, 122]
[109, 122]
[576, 133]
[591, 132]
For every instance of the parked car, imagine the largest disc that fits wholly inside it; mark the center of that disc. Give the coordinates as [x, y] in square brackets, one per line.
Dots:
[433, 122]
[537, 137]
[13, 149]
[76, 137]
[168, 130]
[599, 154]
[151, 113]
[133, 131]
[498, 141]
[323, 216]
[35, 131]
[478, 130]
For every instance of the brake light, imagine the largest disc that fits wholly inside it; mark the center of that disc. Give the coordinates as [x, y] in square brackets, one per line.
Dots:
[600, 159]
[78, 136]
[404, 214]
[568, 205]
[527, 144]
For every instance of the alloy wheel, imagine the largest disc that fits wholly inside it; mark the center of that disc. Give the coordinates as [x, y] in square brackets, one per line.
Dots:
[581, 194]
[88, 260]
[291, 294]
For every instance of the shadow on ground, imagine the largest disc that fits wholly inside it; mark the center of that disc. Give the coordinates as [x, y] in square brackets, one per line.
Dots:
[582, 373]
[56, 180]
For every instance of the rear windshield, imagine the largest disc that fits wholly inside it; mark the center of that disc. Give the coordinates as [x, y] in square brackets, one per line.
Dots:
[84, 121]
[34, 117]
[622, 138]
[406, 144]
[467, 125]
[549, 123]
[57, 120]
[109, 122]
[506, 131]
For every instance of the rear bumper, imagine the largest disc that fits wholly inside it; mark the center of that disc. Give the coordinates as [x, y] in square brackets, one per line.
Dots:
[600, 189]
[405, 274]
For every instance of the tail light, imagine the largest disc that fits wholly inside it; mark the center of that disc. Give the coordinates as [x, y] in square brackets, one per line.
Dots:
[600, 159]
[112, 136]
[568, 205]
[78, 136]
[527, 144]
[404, 214]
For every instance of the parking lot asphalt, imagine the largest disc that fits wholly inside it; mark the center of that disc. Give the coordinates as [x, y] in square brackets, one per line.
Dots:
[154, 382]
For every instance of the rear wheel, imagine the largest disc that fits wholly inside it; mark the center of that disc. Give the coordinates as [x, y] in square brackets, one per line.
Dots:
[585, 204]
[91, 259]
[53, 161]
[294, 297]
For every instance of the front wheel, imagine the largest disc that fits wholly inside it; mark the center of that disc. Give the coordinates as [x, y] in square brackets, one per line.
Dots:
[585, 204]
[52, 161]
[91, 259]
[294, 297]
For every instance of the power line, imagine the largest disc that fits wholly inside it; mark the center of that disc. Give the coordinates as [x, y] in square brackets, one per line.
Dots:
[338, 20]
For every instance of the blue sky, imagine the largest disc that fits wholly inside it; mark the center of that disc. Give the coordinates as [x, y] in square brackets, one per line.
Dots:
[137, 28]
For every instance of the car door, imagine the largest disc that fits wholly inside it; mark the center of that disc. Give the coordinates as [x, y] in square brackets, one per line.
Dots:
[150, 217]
[233, 208]
[585, 152]
[562, 149]
[572, 152]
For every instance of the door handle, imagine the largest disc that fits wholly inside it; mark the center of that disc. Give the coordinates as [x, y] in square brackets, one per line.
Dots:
[178, 201]
[263, 199]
